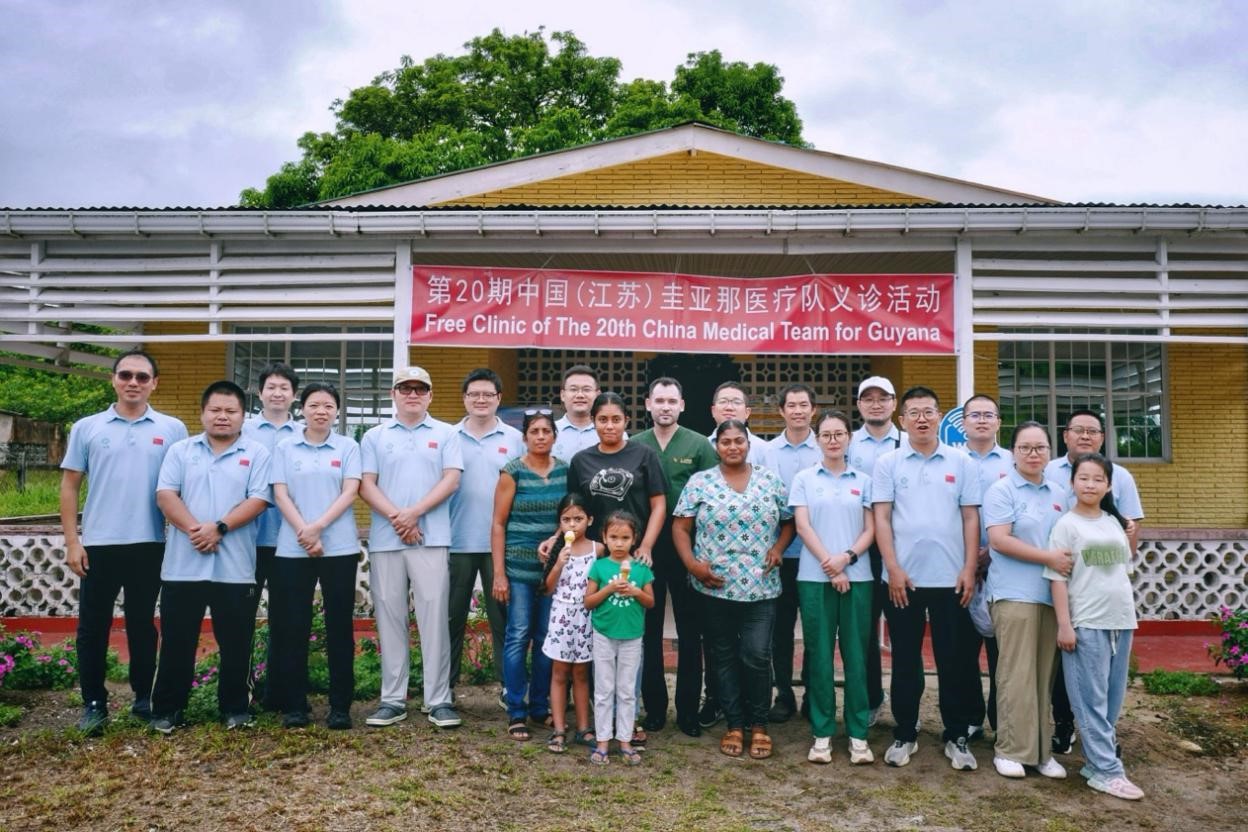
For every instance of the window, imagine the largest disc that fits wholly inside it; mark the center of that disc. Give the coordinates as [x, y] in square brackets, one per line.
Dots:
[361, 370]
[1124, 382]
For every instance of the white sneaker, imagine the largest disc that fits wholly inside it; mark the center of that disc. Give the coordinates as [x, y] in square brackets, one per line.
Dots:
[1007, 767]
[1117, 786]
[1051, 768]
[959, 755]
[859, 752]
[898, 754]
[974, 732]
[821, 751]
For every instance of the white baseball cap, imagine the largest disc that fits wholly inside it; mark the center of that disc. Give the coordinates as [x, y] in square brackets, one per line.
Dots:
[878, 382]
[417, 374]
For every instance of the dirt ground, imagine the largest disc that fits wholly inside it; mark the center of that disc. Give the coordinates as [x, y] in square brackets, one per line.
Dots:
[415, 777]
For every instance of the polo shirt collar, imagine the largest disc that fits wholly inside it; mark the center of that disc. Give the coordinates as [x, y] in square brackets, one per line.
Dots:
[395, 423]
[304, 440]
[563, 422]
[808, 442]
[1019, 481]
[240, 445]
[995, 450]
[113, 414]
[262, 420]
[942, 450]
[462, 427]
[822, 469]
[894, 433]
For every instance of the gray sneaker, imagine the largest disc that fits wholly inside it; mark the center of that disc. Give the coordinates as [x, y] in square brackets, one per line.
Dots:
[166, 723]
[444, 716]
[898, 754]
[959, 755]
[236, 721]
[94, 718]
[386, 715]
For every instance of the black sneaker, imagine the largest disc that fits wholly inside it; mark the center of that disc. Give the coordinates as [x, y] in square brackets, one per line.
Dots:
[654, 722]
[296, 719]
[1063, 739]
[710, 714]
[782, 710]
[94, 718]
[689, 726]
[338, 721]
[142, 709]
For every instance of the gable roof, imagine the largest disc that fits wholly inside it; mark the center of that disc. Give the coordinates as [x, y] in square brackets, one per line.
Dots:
[687, 138]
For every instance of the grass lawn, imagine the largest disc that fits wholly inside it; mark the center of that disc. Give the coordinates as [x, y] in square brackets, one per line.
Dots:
[42, 494]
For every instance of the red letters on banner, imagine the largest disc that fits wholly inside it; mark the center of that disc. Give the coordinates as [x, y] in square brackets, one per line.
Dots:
[811, 313]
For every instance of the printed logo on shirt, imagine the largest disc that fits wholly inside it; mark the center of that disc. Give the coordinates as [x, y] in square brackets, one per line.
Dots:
[1103, 554]
[245, 462]
[158, 440]
[611, 482]
[682, 460]
[433, 443]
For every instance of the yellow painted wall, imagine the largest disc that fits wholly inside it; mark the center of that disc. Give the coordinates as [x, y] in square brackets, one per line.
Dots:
[447, 367]
[684, 179]
[185, 370]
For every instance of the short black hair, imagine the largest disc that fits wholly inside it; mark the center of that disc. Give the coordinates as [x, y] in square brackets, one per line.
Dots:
[918, 392]
[225, 388]
[789, 389]
[732, 424]
[1085, 412]
[320, 387]
[731, 385]
[608, 397]
[138, 353]
[579, 370]
[278, 368]
[996, 406]
[483, 374]
[667, 380]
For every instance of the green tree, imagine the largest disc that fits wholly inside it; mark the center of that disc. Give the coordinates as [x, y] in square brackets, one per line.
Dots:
[52, 397]
[510, 96]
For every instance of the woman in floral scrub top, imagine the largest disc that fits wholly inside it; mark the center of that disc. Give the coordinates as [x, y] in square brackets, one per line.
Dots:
[730, 527]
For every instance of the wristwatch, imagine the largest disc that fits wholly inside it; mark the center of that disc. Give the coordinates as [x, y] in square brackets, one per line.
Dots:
[853, 556]
[222, 528]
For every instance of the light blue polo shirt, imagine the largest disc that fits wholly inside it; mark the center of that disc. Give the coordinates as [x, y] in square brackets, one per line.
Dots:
[211, 486]
[408, 463]
[864, 449]
[834, 503]
[569, 438]
[756, 455]
[314, 475]
[259, 429]
[995, 465]
[786, 459]
[121, 459]
[1126, 494]
[1032, 510]
[472, 504]
[927, 494]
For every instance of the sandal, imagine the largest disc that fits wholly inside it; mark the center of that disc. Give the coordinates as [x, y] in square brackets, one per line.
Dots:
[639, 739]
[631, 757]
[586, 737]
[545, 720]
[558, 742]
[599, 758]
[518, 731]
[731, 742]
[760, 743]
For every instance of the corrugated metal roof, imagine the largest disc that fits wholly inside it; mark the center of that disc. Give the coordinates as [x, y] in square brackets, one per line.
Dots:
[629, 207]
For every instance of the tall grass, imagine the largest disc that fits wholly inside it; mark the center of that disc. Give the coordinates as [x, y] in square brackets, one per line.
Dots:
[42, 494]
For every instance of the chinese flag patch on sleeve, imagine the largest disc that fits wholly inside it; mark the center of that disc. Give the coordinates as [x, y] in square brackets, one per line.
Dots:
[245, 462]
[855, 492]
[158, 440]
[433, 444]
[335, 463]
[950, 478]
[502, 450]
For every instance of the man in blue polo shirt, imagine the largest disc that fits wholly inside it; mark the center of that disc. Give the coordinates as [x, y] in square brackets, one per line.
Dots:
[212, 487]
[793, 450]
[925, 498]
[981, 420]
[270, 427]
[574, 430]
[1084, 434]
[119, 451]
[730, 401]
[412, 464]
[487, 443]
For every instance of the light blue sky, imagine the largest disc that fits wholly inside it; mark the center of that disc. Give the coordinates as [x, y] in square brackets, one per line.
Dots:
[185, 104]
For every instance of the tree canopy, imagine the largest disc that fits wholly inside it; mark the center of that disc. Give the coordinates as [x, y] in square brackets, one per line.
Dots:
[511, 96]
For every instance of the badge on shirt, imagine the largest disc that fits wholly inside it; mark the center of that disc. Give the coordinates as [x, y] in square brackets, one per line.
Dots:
[433, 444]
[158, 440]
[855, 492]
[1056, 507]
[502, 450]
[335, 463]
[950, 478]
[245, 462]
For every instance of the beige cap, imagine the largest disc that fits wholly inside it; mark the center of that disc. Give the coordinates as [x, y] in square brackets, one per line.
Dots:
[878, 382]
[412, 374]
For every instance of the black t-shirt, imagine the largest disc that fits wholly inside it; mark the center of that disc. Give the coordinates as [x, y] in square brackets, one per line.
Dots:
[626, 479]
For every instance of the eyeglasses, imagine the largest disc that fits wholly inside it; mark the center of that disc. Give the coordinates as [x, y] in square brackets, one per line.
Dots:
[730, 402]
[586, 390]
[981, 416]
[1080, 431]
[538, 411]
[130, 375]
[479, 396]
[930, 413]
[1028, 450]
[413, 390]
[836, 436]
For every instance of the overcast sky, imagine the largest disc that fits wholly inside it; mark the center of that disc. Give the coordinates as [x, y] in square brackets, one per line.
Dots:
[186, 103]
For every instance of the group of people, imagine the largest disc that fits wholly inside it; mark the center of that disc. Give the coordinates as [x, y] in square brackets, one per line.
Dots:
[592, 531]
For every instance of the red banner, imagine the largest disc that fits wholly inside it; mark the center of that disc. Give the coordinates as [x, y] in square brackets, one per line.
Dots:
[810, 313]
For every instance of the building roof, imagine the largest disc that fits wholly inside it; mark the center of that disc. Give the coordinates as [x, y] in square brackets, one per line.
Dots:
[691, 138]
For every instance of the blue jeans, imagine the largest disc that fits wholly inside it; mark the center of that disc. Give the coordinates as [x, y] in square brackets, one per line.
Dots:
[740, 634]
[1096, 681]
[528, 613]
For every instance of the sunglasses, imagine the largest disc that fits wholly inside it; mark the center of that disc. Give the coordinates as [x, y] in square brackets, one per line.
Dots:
[130, 375]
[538, 411]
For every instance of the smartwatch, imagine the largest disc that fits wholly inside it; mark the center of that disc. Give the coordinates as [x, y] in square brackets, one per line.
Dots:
[222, 528]
[853, 556]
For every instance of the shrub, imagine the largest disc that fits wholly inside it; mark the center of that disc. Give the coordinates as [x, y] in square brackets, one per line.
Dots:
[10, 715]
[26, 665]
[1232, 649]
[1179, 683]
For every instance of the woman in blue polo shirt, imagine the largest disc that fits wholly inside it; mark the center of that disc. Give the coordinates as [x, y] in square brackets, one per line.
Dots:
[831, 505]
[315, 478]
[1019, 511]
